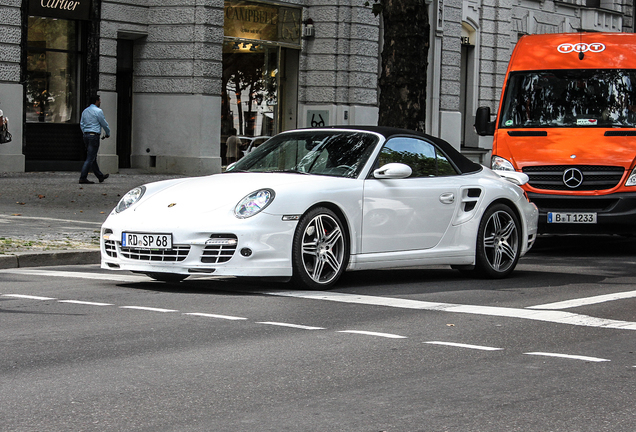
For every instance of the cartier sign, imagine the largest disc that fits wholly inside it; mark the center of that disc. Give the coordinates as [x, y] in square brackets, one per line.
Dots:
[65, 9]
[262, 21]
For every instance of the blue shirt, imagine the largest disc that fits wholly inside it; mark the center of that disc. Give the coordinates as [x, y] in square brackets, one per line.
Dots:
[93, 120]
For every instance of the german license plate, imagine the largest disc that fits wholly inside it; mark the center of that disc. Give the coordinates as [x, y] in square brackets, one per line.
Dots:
[581, 218]
[146, 240]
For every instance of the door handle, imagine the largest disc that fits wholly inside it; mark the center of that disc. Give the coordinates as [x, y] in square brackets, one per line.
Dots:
[447, 198]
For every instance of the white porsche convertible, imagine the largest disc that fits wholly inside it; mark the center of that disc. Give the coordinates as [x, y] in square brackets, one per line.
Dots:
[309, 204]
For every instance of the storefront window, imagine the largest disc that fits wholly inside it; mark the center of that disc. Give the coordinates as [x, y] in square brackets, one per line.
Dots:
[52, 71]
[250, 88]
[255, 89]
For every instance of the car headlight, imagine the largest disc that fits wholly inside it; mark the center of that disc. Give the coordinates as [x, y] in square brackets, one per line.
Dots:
[501, 164]
[254, 203]
[130, 198]
[631, 180]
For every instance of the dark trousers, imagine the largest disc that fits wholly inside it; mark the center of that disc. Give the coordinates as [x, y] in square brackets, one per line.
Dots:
[92, 147]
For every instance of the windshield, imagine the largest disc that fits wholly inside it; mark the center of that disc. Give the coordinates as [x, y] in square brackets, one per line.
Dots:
[332, 153]
[570, 98]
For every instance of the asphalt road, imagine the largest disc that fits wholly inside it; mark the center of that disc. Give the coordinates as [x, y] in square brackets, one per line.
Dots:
[550, 349]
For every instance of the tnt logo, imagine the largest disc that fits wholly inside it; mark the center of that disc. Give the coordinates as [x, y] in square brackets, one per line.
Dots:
[594, 47]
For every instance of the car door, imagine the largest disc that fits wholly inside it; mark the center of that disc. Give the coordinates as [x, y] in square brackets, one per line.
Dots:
[411, 213]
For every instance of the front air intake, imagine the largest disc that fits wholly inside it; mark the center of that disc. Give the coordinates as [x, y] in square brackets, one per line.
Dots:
[219, 248]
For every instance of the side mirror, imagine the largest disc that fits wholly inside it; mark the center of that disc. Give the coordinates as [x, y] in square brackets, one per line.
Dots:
[393, 171]
[483, 125]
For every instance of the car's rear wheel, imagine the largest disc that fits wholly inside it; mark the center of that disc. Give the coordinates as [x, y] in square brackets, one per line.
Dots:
[167, 277]
[320, 249]
[498, 242]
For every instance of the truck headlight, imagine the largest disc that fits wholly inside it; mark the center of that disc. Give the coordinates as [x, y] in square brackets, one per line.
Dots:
[498, 163]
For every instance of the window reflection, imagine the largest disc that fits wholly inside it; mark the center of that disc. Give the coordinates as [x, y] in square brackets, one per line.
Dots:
[52, 59]
[570, 98]
[424, 158]
[250, 88]
[337, 154]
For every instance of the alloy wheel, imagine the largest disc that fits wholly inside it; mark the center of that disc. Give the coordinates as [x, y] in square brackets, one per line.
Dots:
[501, 241]
[323, 249]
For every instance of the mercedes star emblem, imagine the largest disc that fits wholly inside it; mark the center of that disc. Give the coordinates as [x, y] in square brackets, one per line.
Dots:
[572, 178]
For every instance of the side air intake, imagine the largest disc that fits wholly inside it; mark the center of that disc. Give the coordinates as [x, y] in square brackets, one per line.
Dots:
[469, 199]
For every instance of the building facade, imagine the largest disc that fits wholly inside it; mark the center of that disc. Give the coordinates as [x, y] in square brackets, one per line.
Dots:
[176, 76]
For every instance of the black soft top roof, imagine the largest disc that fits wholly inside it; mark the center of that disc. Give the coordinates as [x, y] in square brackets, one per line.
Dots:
[464, 164]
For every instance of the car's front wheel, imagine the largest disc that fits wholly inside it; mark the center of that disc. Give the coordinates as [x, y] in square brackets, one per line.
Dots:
[498, 242]
[320, 249]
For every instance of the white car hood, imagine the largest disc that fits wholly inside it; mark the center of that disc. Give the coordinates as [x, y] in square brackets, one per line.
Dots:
[201, 195]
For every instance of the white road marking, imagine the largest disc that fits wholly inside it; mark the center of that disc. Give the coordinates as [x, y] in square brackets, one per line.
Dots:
[325, 295]
[79, 275]
[585, 301]
[85, 303]
[29, 297]
[74, 222]
[536, 315]
[290, 325]
[461, 345]
[368, 333]
[568, 356]
[227, 317]
[151, 309]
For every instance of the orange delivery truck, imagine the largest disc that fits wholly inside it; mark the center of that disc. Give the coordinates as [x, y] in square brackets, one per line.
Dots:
[567, 119]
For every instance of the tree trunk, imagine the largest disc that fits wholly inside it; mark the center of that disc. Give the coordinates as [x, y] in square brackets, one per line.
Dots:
[402, 101]
[239, 104]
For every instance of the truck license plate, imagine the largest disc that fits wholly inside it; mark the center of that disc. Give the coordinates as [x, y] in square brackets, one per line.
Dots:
[583, 218]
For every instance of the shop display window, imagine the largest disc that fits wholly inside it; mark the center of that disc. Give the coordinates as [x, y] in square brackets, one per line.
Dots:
[52, 71]
[250, 88]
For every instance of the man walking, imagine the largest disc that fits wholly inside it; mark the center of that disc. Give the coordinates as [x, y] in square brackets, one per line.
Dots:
[92, 122]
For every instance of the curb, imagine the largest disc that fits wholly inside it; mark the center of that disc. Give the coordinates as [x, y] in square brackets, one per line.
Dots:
[57, 258]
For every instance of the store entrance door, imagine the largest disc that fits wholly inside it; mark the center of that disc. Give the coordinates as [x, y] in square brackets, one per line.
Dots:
[251, 92]
[124, 101]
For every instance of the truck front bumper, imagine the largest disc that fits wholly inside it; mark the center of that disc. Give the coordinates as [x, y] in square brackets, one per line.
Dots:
[615, 213]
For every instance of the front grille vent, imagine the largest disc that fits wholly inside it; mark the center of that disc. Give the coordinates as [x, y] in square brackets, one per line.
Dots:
[579, 204]
[177, 253]
[219, 249]
[595, 177]
[110, 248]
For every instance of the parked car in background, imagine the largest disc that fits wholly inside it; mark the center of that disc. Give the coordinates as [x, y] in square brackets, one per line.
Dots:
[250, 143]
[309, 204]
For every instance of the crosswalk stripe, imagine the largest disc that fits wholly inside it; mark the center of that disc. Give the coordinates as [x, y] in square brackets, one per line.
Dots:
[536, 315]
[544, 313]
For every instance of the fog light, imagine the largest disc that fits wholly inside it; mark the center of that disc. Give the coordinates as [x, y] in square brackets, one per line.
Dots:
[246, 252]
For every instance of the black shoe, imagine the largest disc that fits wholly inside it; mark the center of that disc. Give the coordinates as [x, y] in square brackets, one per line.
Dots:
[101, 180]
[86, 182]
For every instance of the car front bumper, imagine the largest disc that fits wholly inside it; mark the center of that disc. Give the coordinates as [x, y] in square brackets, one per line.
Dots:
[260, 249]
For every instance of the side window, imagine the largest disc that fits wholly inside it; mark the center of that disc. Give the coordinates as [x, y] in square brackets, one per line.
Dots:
[444, 167]
[424, 158]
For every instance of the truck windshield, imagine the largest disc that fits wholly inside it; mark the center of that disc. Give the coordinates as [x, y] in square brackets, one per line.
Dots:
[570, 98]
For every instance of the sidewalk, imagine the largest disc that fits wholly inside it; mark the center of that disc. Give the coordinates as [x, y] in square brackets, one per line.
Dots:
[48, 218]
